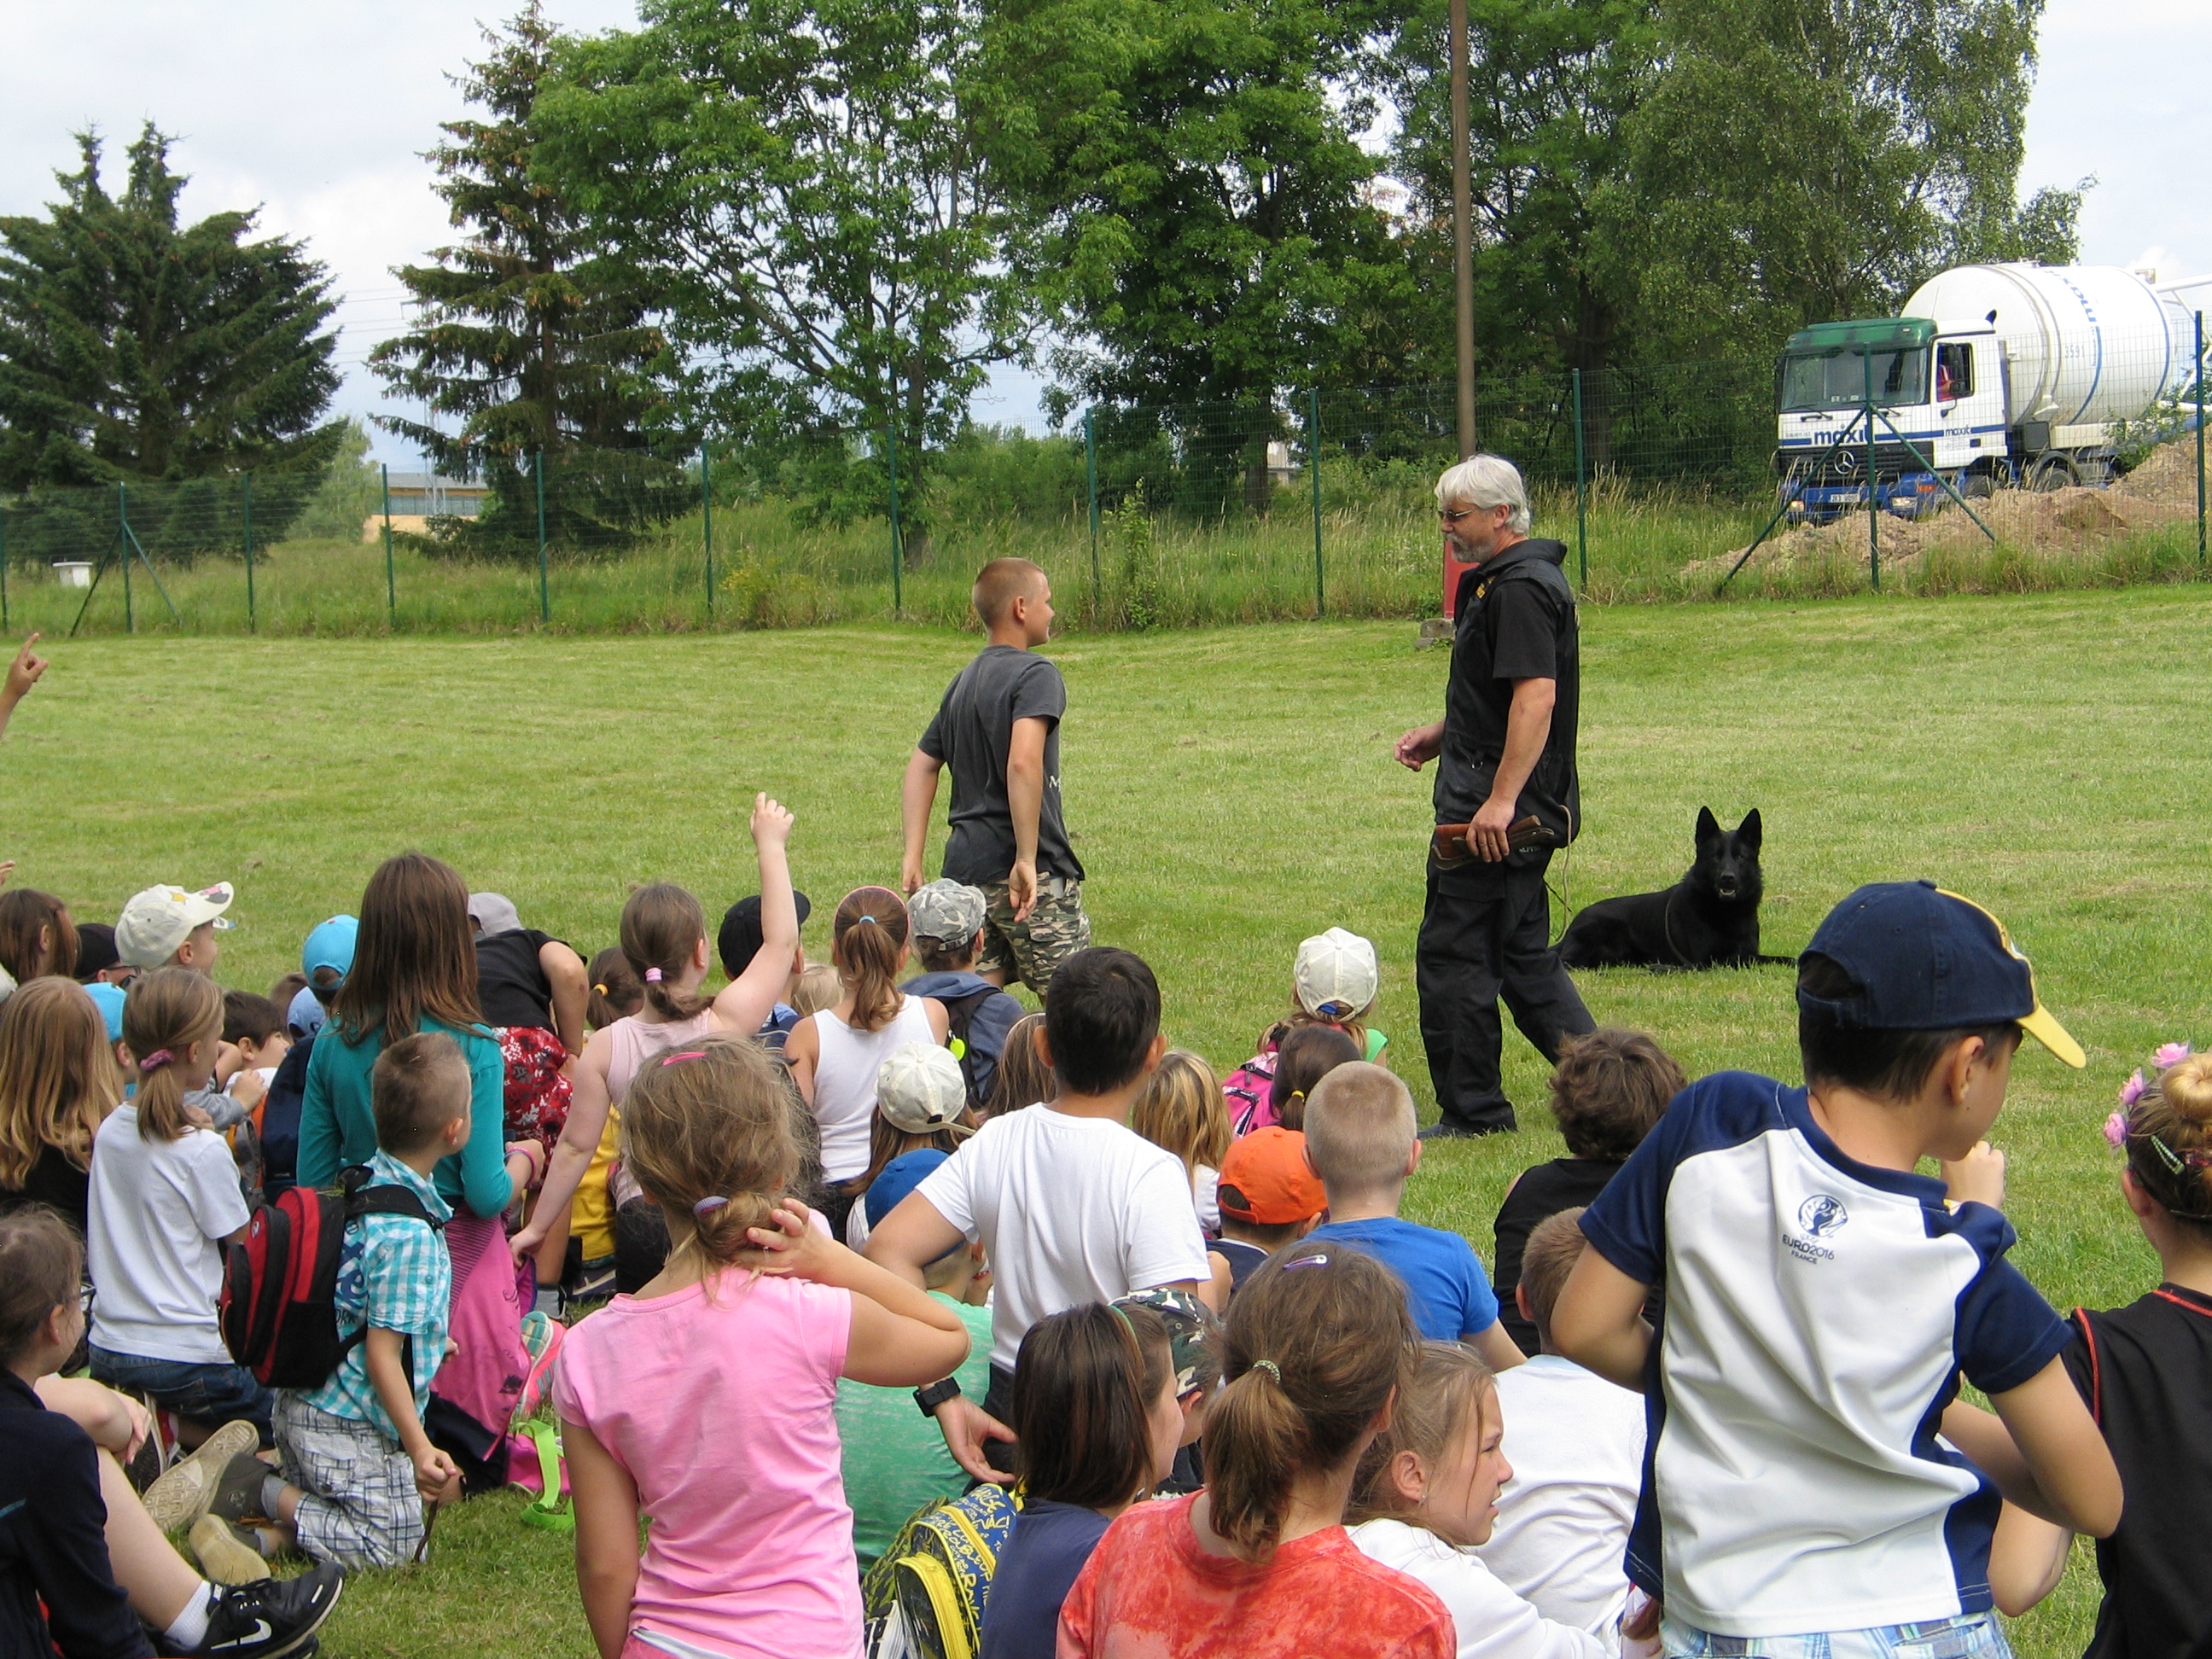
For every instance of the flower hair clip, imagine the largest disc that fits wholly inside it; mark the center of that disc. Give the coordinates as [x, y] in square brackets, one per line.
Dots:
[2116, 1132]
[2132, 1091]
[2169, 1053]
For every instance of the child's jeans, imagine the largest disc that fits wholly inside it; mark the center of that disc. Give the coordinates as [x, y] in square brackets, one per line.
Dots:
[360, 1507]
[1969, 1636]
[205, 1393]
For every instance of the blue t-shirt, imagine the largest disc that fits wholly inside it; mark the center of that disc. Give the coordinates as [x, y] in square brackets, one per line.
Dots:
[1445, 1286]
[1045, 1552]
[1819, 1313]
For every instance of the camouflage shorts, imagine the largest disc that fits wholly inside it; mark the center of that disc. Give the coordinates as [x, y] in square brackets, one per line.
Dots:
[1032, 951]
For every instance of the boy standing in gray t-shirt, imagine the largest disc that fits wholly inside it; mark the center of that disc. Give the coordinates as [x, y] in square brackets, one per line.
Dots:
[998, 730]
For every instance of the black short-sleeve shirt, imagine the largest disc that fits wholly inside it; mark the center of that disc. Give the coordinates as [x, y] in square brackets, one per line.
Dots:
[512, 989]
[974, 727]
[1516, 621]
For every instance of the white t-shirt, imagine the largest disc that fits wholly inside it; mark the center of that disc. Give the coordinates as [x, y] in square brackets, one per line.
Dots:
[1070, 1210]
[1576, 1443]
[1205, 1197]
[158, 1208]
[1492, 1621]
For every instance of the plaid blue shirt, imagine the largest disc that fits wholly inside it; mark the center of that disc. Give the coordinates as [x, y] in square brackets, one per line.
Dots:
[394, 1275]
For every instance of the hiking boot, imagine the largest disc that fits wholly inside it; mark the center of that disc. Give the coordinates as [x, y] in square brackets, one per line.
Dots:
[182, 1495]
[229, 1553]
[273, 1618]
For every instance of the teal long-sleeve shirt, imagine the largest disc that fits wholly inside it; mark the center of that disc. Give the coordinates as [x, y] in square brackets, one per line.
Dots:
[337, 1125]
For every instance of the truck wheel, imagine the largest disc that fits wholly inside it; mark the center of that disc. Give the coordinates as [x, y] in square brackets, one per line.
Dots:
[1978, 487]
[2051, 472]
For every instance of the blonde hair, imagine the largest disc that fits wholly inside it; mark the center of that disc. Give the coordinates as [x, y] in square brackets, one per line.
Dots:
[707, 1133]
[58, 1077]
[1360, 1128]
[1451, 1389]
[2169, 1140]
[818, 988]
[164, 1015]
[1022, 1079]
[1182, 1112]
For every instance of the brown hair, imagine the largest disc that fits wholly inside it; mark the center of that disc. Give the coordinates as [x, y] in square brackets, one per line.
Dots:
[417, 1087]
[415, 958]
[1319, 1338]
[1450, 1389]
[886, 1141]
[164, 1013]
[999, 583]
[1085, 1382]
[818, 988]
[1022, 1079]
[1181, 1109]
[1308, 1054]
[58, 1078]
[286, 988]
[1609, 1089]
[712, 1123]
[41, 1264]
[662, 929]
[1554, 1245]
[616, 991]
[249, 1017]
[25, 913]
[1359, 1128]
[2169, 1141]
[866, 939]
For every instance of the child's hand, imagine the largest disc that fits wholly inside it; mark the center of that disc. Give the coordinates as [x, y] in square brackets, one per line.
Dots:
[1977, 1178]
[437, 1477]
[247, 1088]
[771, 822]
[25, 670]
[790, 1245]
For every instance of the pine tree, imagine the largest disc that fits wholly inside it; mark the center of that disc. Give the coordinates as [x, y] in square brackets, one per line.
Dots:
[133, 347]
[532, 339]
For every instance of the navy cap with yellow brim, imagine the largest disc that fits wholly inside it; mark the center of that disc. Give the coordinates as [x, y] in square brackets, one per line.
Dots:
[1923, 959]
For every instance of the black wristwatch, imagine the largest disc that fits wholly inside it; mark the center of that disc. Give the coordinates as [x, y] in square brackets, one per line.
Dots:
[936, 1395]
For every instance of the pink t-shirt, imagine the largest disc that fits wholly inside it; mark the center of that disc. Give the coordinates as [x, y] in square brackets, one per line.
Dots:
[720, 1408]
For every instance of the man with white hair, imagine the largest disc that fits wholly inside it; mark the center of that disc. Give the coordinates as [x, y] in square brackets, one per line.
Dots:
[1506, 749]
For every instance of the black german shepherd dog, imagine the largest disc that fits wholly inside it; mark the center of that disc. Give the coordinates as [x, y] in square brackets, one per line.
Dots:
[1709, 919]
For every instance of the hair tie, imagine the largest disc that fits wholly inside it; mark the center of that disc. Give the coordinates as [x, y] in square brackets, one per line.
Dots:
[600, 990]
[653, 976]
[159, 1057]
[1270, 1367]
[1123, 1314]
[864, 919]
[707, 1204]
[689, 1053]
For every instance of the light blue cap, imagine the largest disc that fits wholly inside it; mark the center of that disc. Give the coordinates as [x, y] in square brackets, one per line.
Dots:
[306, 1015]
[110, 999]
[330, 946]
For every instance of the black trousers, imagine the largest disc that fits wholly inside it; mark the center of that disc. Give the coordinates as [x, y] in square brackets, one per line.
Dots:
[1485, 933]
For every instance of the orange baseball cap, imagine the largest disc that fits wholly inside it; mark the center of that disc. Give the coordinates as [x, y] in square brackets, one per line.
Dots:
[1266, 1181]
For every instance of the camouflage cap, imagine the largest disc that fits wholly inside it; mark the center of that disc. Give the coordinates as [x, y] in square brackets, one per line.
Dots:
[1193, 1343]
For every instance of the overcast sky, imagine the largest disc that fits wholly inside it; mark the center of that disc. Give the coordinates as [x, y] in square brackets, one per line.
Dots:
[318, 112]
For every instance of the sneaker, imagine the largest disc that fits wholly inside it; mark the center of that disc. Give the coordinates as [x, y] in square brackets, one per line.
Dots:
[273, 1618]
[238, 1489]
[229, 1553]
[1443, 1130]
[182, 1495]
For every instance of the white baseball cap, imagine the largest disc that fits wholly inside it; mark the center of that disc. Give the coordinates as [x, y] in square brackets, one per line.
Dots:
[156, 923]
[921, 1088]
[1336, 975]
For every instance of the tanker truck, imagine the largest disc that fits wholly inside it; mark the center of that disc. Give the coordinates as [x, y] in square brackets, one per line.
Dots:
[1997, 376]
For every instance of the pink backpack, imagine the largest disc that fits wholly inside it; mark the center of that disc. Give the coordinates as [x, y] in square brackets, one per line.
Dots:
[1246, 1092]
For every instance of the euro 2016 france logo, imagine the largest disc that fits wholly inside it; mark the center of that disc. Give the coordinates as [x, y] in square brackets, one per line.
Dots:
[1821, 1215]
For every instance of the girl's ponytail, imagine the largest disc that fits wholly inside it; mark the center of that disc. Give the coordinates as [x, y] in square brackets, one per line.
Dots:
[164, 1013]
[662, 929]
[1319, 1338]
[866, 940]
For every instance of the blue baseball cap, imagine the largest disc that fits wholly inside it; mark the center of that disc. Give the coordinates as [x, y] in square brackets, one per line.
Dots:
[1928, 960]
[330, 946]
[307, 1014]
[899, 1177]
[110, 999]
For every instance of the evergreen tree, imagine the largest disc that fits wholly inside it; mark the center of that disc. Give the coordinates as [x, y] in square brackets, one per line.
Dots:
[529, 339]
[133, 347]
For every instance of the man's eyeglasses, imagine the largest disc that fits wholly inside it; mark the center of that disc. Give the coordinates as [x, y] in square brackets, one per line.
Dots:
[1455, 516]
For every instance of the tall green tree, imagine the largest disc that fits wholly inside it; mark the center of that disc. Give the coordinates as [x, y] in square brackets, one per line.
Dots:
[133, 347]
[800, 183]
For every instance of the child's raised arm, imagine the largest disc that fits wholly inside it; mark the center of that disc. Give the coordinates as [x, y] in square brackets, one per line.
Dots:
[747, 1000]
[2045, 1455]
[1599, 1321]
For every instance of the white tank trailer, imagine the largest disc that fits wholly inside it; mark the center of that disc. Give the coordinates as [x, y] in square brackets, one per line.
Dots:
[1995, 376]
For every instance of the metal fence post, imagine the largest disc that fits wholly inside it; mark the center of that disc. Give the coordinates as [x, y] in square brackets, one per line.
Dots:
[2200, 441]
[391, 584]
[245, 507]
[1091, 475]
[1873, 543]
[707, 516]
[5, 623]
[898, 552]
[1582, 500]
[545, 593]
[1313, 471]
[123, 542]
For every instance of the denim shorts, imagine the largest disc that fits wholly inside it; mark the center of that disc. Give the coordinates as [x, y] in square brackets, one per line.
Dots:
[204, 1392]
[1969, 1636]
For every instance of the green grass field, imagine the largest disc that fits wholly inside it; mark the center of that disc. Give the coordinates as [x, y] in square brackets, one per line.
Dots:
[1231, 791]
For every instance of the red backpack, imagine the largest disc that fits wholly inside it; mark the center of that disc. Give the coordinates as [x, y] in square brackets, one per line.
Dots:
[280, 1282]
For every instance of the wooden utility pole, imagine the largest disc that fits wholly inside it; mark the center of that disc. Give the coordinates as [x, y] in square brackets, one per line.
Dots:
[1462, 228]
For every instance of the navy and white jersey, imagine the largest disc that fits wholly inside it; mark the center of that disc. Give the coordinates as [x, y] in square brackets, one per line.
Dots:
[1817, 1316]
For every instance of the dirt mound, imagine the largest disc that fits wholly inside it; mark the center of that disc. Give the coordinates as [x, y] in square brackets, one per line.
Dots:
[2074, 520]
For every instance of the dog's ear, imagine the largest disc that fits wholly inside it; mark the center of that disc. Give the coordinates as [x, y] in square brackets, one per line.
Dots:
[1708, 825]
[1748, 831]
